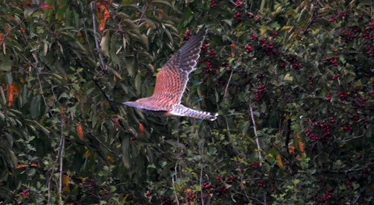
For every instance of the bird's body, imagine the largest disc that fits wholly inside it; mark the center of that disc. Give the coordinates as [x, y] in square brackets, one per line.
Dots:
[171, 83]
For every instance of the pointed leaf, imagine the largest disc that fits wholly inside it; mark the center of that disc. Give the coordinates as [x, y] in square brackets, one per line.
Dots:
[104, 44]
[125, 152]
[35, 107]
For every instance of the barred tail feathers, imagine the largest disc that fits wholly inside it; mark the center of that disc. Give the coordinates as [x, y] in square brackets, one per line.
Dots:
[180, 110]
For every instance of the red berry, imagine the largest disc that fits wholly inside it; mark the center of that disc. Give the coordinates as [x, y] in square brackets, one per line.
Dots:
[219, 178]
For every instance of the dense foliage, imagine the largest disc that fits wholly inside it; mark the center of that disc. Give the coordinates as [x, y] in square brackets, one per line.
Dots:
[293, 82]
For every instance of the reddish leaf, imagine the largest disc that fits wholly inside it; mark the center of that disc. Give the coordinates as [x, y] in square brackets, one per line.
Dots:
[10, 95]
[80, 132]
[279, 161]
[141, 129]
[46, 6]
[103, 14]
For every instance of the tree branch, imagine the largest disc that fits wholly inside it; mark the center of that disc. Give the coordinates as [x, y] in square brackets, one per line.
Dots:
[61, 157]
[255, 131]
[143, 12]
[228, 82]
[103, 66]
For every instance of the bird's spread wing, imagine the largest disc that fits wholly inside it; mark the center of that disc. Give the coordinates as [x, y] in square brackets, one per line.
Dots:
[172, 79]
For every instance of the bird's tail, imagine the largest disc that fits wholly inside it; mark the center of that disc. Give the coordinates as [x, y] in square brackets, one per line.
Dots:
[180, 110]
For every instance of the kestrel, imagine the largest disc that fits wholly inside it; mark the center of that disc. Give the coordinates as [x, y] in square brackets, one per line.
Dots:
[171, 83]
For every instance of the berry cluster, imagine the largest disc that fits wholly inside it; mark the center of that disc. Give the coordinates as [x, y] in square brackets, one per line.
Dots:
[294, 63]
[328, 96]
[359, 102]
[238, 10]
[238, 4]
[332, 120]
[211, 53]
[310, 80]
[325, 127]
[206, 185]
[253, 37]
[313, 137]
[343, 95]
[24, 194]
[259, 92]
[209, 71]
[219, 178]
[337, 17]
[274, 34]
[222, 189]
[346, 127]
[327, 196]
[261, 183]
[213, 4]
[248, 48]
[237, 16]
[336, 76]
[204, 47]
[370, 51]
[331, 61]
[282, 64]
[326, 130]
[364, 171]
[187, 35]
[190, 195]
[268, 47]
[149, 193]
[231, 179]
[166, 201]
[93, 189]
[255, 164]
[347, 36]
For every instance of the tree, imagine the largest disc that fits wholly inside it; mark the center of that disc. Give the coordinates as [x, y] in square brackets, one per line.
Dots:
[291, 80]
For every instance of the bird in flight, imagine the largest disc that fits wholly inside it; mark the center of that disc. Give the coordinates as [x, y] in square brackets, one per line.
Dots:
[171, 83]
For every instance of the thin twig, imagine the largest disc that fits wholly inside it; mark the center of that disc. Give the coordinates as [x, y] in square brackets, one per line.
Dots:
[228, 82]
[61, 157]
[50, 179]
[143, 12]
[352, 138]
[232, 142]
[175, 192]
[201, 146]
[7, 33]
[257, 139]
[104, 145]
[248, 197]
[42, 94]
[103, 67]
[314, 16]
[255, 131]
[55, 162]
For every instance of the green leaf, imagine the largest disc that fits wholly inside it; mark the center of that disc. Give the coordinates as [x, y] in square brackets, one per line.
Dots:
[125, 151]
[8, 78]
[5, 63]
[163, 2]
[35, 106]
[138, 83]
[3, 95]
[228, 21]
[45, 130]
[126, 2]
[104, 44]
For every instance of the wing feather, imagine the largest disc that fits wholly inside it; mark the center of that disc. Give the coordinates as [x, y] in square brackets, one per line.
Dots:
[171, 81]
